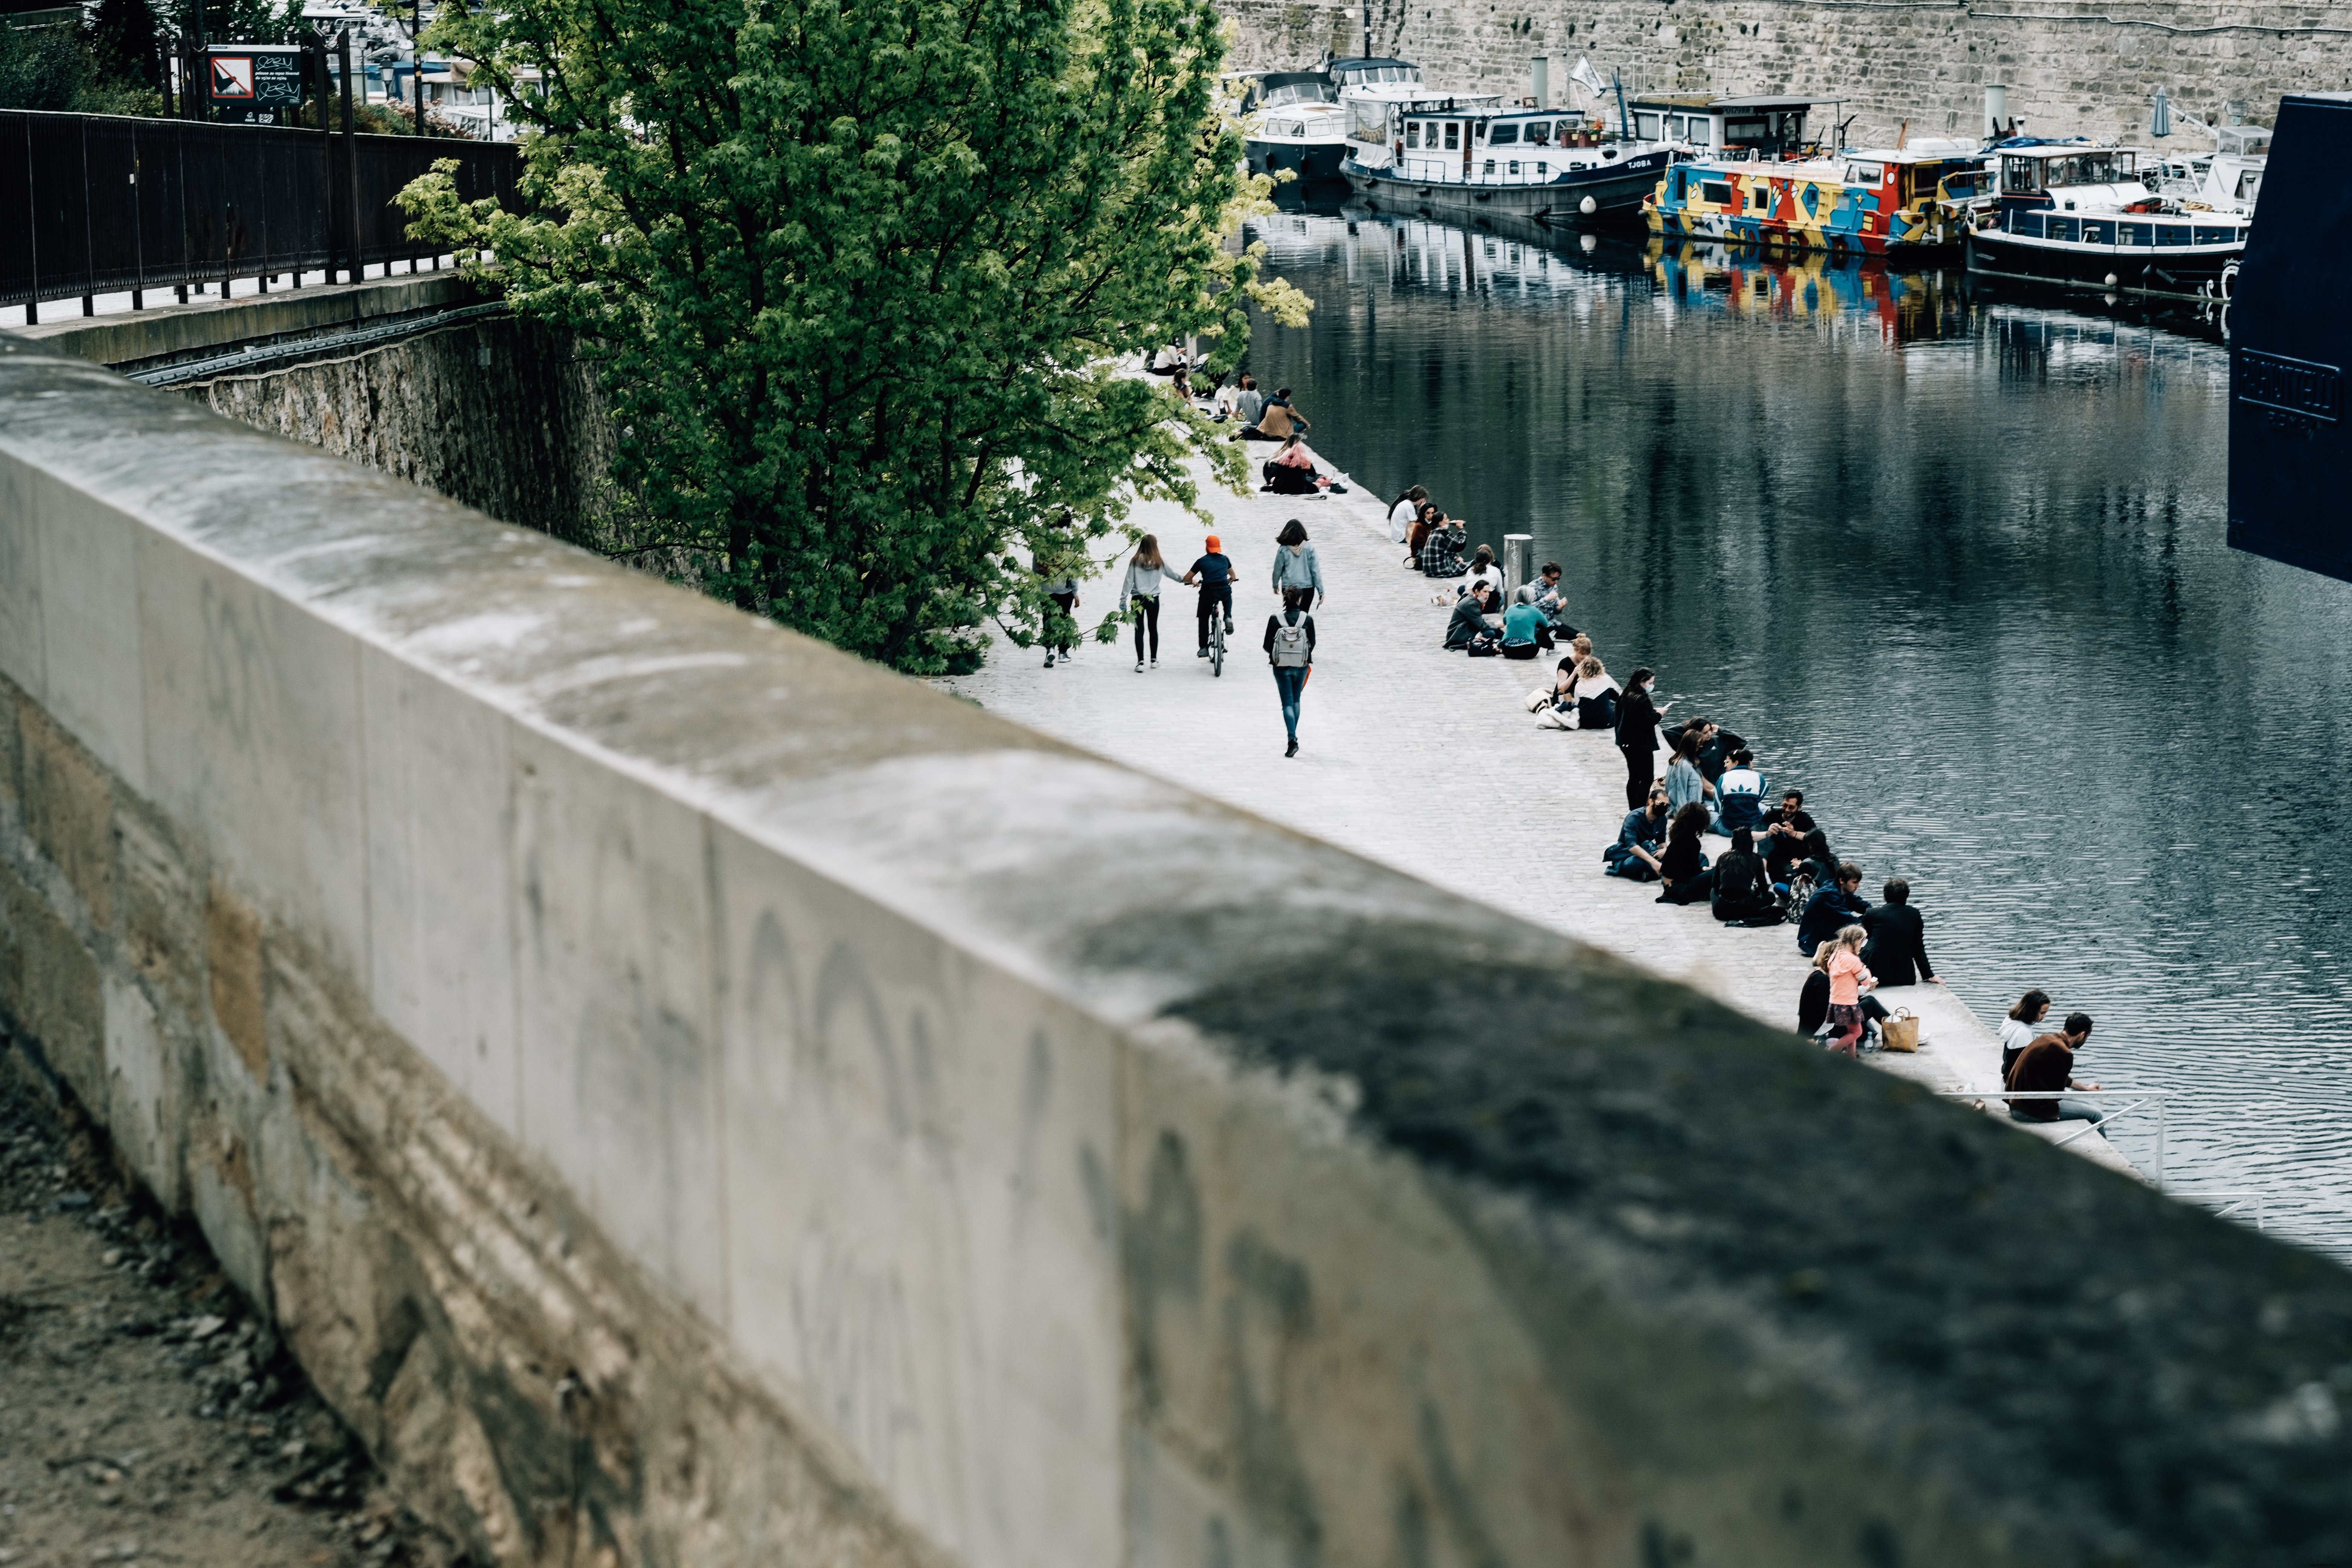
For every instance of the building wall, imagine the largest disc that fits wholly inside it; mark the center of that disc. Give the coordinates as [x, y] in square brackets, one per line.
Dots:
[688, 1097]
[2070, 69]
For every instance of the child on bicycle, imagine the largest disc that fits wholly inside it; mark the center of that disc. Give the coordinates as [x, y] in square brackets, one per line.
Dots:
[1215, 571]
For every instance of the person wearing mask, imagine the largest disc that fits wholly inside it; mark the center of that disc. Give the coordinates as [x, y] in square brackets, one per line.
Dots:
[1469, 631]
[1637, 734]
[1741, 896]
[1898, 950]
[1140, 594]
[1837, 906]
[1290, 650]
[1524, 632]
[1683, 867]
[1686, 785]
[1295, 564]
[2021, 1027]
[1848, 978]
[2047, 1066]
[1739, 795]
[1640, 840]
[1785, 827]
[1215, 571]
[1441, 553]
[1061, 624]
[1404, 514]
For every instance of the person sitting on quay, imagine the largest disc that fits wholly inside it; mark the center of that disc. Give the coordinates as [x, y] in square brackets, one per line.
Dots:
[1248, 402]
[1849, 977]
[1739, 795]
[1641, 838]
[1683, 867]
[1686, 785]
[1549, 600]
[1227, 401]
[1814, 1000]
[1404, 515]
[2047, 1066]
[1785, 827]
[1596, 692]
[1815, 861]
[1525, 631]
[1427, 519]
[1469, 631]
[1898, 950]
[1546, 703]
[1441, 553]
[1835, 907]
[1295, 564]
[1484, 567]
[1742, 895]
[2022, 1028]
[1292, 472]
[1277, 419]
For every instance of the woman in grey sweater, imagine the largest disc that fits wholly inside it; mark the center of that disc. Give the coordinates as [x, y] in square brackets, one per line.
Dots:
[1141, 593]
[1295, 566]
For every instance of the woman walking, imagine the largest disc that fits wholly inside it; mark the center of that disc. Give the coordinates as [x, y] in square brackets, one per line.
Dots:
[1290, 650]
[1140, 593]
[1637, 736]
[1295, 566]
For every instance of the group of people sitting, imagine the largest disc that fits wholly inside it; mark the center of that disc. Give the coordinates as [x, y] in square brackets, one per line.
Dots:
[1236, 398]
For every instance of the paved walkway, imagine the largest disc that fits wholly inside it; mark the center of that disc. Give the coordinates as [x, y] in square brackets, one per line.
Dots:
[1421, 759]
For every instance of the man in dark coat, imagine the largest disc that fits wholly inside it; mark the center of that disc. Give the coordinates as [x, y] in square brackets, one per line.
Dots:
[1832, 909]
[1898, 950]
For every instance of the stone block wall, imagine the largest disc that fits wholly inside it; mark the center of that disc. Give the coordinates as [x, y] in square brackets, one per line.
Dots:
[2071, 69]
[691, 1097]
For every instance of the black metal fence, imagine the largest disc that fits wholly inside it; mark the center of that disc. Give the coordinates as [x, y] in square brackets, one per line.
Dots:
[94, 204]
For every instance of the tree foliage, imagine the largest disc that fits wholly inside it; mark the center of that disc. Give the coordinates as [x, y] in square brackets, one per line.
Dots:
[858, 272]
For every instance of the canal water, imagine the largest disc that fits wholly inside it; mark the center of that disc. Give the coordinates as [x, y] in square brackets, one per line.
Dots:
[1956, 567]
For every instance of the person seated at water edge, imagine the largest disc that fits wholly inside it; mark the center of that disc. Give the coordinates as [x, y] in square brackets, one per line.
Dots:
[1441, 552]
[1785, 827]
[1525, 631]
[1815, 862]
[1214, 570]
[2022, 1028]
[2047, 1066]
[1849, 977]
[1292, 473]
[1739, 795]
[1835, 907]
[1596, 693]
[1248, 401]
[1404, 514]
[1295, 564]
[1276, 418]
[1468, 631]
[1742, 895]
[1898, 950]
[1641, 839]
[1546, 702]
[1169, 360]
[1683, 867]
[1686, 785]
[1814, 1000]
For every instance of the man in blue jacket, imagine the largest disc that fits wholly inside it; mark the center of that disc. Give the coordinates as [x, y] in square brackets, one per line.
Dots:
[1640, 840]
[1832, 909]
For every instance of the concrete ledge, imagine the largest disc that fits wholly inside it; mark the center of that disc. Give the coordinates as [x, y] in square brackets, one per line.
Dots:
[162, 331]
[688, 1096]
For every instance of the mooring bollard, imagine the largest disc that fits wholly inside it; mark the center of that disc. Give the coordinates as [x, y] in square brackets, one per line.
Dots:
[1519, 550]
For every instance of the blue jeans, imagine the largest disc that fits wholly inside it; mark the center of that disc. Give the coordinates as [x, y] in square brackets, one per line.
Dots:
[2069, 1109]
[1290, 681]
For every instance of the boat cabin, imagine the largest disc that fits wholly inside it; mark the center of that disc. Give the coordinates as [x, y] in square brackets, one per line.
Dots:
[1455, 125]
[1774, 127]
[1283, 89]
[1371, 70]
[2029, 175]
[1512, 145]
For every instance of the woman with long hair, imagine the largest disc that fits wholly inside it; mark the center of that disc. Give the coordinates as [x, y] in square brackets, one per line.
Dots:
[1140, 594]
[1848, 978]
[1637, 736]
[1686, 785]
[1405, 513]
[2021, 1027]
[1290, 650]
[1295, 566]
[1683, 867]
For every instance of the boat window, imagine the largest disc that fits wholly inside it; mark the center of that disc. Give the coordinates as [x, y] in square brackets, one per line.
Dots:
[2216, 236]
[1742, 131]
[2063, 227]
[1759, 196]
[1567, 128]
[1515, 165]
[2172, 234]
[1453, 135]
[1503, 134]
[1543, 170]
[1962, 183]
[1702, 130]
[1412, 134]
[2100, 168]
[1645, 126]
[2098, 232]
[1676, 126]
[1539, 133]
[2028, 224]
[1812, 199]
[1866, 174]
[1715, 191]
[2021, 177]
[1490, 166]
[2133, 234]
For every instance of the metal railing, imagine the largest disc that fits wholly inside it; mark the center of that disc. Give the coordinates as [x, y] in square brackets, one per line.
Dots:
[93, 203]
[2140, 1100]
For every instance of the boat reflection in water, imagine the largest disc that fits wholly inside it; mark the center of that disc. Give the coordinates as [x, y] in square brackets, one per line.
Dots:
[1902, 305]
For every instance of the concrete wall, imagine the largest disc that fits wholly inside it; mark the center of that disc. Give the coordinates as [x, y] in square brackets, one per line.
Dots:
[2072, 68]
[688, 1097]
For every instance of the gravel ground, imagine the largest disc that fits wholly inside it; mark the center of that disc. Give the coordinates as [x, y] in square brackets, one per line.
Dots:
[146, 1412]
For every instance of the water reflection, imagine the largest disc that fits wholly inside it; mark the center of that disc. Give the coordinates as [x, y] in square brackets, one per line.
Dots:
[1957, 563]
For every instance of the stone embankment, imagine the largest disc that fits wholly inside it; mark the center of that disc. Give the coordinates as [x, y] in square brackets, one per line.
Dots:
[685, 1096]
[2070, 69]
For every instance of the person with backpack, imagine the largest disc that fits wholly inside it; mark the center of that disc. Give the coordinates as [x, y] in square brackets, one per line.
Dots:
[1215, 571]
[1295, 566]
[1140, 594]
[1290, 650]
[1637, 734]
[1741, 896]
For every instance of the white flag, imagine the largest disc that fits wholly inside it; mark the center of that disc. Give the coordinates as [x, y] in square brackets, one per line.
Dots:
[1590, 80]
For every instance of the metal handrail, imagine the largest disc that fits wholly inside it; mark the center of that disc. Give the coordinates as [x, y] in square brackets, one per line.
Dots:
[2229, 1203]
[2140, 1099]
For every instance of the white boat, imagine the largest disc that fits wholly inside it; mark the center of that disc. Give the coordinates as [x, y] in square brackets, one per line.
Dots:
[1295, 125]
[1472, 158]
[2084, 216]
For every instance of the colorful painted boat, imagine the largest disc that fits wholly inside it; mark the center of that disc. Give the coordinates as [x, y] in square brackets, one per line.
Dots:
[1892, 201]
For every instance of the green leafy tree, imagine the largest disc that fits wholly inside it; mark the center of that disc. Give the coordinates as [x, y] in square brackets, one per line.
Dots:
[859, 275]
[122, 42]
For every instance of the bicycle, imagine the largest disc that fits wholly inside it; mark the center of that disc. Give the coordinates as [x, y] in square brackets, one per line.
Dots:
[1216, 644]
